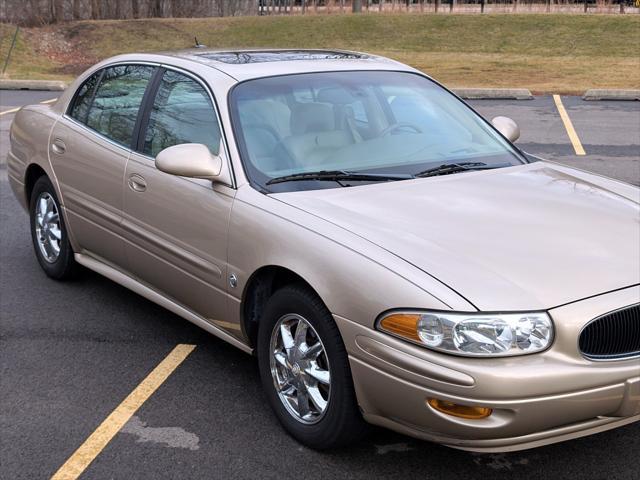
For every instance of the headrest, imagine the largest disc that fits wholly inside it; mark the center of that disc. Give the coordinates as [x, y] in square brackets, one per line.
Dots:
[336, 96]
[266, 112]
[312, 117]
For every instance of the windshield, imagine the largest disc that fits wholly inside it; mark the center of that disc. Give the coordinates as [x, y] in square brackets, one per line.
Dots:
[365, 122]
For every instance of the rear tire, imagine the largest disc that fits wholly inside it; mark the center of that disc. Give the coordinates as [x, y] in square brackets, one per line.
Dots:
[49, 232]
[317, 348]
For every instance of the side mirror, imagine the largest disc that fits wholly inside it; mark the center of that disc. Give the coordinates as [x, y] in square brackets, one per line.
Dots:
[507, 127]
[190, 160]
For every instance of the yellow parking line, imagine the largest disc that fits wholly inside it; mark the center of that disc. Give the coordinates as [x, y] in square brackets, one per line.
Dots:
[13, 110]
[573, 136]
[91, 448]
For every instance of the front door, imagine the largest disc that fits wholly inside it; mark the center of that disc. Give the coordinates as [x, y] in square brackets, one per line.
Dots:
[176, 227]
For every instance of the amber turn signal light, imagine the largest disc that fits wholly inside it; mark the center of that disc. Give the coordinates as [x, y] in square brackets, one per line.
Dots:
[402, 324]
[461, 411]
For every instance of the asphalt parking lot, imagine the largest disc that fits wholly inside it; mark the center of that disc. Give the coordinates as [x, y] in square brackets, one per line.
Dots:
[71, 352]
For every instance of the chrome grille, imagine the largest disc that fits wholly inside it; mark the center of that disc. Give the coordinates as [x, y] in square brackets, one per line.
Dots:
[612, 336]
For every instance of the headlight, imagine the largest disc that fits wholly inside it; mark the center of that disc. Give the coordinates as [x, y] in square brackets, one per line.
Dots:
[472, 334]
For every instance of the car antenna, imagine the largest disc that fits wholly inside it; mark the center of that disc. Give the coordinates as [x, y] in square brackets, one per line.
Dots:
[198, 44]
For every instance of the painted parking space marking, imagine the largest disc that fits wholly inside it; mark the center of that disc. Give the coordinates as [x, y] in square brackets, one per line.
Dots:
[14, 110]
[573, 136]
[95, 443]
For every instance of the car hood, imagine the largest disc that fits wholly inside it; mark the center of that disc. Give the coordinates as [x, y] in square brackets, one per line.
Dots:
[525, 237]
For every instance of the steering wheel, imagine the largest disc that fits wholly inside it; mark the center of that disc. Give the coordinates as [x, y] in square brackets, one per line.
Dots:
[397, 126]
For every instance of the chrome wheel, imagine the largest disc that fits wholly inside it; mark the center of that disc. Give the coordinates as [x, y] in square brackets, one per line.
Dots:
[47, 226]
[300, 369]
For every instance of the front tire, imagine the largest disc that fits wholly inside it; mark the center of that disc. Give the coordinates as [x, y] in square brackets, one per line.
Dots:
[305, 371]
[49, 232]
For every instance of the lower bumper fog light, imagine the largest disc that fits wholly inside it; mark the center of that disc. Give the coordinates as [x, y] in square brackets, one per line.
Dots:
[461, 411]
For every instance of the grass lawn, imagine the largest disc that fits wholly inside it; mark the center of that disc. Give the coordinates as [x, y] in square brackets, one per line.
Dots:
[559, 53]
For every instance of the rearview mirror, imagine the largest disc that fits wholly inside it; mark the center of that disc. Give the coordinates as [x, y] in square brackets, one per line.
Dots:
[190, 160]
[507, 127]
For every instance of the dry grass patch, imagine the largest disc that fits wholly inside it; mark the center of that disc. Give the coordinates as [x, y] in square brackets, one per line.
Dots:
[560, 53]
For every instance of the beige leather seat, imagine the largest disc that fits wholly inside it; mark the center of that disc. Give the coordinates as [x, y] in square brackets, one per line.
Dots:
[265, 123]
[314, 135]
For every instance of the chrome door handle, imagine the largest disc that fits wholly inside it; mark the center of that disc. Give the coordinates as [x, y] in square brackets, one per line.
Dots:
[58, 146]
[137, 183]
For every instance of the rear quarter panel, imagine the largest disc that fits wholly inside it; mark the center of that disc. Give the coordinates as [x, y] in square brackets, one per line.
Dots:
[29, 138]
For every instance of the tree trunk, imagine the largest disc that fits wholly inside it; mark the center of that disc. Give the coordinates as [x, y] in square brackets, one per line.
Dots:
[56, 8]
[156, 9]
[76, 10]
[95, 9]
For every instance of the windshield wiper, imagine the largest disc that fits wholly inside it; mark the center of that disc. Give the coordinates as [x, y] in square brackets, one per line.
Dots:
[447, 168]
[339, 176]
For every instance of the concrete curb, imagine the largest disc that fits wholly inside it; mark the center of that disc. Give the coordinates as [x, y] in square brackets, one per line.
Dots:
[610, 94]
[51, 85]
[493, 93]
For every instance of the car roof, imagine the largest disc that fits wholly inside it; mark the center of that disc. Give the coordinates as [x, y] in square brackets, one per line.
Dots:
[244, 64]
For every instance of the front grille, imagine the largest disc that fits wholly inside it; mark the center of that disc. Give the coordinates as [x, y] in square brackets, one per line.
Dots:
[612, 336]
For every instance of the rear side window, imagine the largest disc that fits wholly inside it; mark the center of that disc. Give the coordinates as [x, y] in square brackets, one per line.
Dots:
[84, 97]
[182, 112]
[115, 102]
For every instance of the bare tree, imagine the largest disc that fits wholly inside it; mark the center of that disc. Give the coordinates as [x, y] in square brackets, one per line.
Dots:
[95, 9]
[56, 10]
[135, 9]
[76, 10]
[155, 8]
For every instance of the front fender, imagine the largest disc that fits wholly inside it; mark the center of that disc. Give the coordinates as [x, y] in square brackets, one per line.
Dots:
[355, 278]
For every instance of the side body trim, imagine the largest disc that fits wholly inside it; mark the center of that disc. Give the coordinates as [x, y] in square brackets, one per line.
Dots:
[128, 282]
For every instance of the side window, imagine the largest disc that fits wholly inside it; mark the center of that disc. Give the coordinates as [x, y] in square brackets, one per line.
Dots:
[117, 100]
[84, 97]
[359, 113]
[182, 112]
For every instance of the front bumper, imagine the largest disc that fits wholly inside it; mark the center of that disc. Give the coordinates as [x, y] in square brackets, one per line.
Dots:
[536, 399]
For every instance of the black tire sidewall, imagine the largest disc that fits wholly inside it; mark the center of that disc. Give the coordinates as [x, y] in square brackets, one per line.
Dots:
[342, 422]
[63, 266]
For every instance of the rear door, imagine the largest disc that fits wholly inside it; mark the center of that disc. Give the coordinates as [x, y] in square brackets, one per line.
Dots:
[89, 149]
[176, 227]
